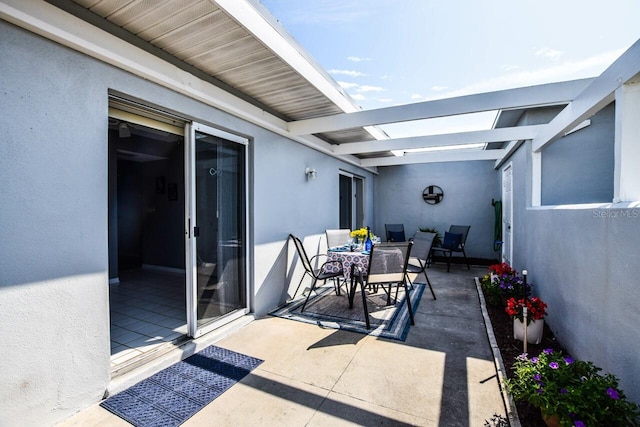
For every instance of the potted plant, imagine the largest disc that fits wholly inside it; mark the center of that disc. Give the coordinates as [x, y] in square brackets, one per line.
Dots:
[571, 392]
[536, 310]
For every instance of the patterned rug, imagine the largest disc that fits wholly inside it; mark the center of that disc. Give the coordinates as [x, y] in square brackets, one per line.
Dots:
[328, 310]
[176, 393]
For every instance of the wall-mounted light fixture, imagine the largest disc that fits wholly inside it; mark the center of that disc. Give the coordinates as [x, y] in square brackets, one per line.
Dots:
[124, 131]
[311, 173]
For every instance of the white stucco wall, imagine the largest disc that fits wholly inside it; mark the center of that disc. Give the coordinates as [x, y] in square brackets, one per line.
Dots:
[53, 220]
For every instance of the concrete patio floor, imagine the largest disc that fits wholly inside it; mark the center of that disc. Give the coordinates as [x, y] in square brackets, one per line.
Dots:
[442, 375]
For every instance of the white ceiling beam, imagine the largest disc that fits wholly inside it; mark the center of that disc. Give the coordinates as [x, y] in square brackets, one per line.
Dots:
[508, 151]
[596, 96]
[434, 157]
[259, 22]
[548, 94]
[460, 138]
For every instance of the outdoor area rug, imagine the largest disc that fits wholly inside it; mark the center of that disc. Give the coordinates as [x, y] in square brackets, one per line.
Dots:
[328, 310]
[176, 393]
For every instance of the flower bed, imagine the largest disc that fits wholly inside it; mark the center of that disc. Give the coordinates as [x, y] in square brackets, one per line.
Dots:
[613, 402]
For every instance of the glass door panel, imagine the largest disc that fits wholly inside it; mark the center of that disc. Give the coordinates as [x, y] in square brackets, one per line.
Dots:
[218, 228]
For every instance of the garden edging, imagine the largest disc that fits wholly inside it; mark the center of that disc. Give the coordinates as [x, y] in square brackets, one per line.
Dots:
[512, 412]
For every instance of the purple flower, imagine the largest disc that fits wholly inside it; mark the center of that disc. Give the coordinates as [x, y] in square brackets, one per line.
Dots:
[554, 365]
[548, 350]
[540, 390]
[537, 377]
[534, 360]
[613, 393]
[578, 423]
[564, 391]
[568, 360]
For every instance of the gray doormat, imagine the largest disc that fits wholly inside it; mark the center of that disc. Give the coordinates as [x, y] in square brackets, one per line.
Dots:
[176, 393]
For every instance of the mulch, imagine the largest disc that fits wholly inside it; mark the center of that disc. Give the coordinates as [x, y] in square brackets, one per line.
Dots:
[510, 348]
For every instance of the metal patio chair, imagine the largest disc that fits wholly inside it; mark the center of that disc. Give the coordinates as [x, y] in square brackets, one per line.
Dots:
[387, 268]
[337, 237]
[395, 232]
[453, 242]
[322, 273]
[422, 244]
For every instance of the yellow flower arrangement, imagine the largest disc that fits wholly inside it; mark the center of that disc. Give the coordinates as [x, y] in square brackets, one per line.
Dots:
[361, 233]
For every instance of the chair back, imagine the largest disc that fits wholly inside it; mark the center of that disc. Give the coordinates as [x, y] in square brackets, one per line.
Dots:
[463, 230]
[395, 232]
[337, 237]
[302, 253]
[388, 262]
[422, 243]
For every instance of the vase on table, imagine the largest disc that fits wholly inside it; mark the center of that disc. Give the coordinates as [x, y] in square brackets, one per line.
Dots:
[534, 330]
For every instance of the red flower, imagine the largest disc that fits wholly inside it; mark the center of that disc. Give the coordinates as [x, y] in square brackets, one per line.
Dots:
[536, 308]
[501, 269]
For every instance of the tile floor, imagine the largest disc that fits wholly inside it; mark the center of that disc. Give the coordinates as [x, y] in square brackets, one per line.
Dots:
[148, 314]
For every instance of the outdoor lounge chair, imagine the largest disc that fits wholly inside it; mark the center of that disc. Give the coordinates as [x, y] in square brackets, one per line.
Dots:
[422, 244]
[453, 241]
[387, 267]
[321, 273]
[395, 232]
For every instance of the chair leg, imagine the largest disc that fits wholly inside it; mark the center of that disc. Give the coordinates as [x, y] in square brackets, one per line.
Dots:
[465, 258]
[406, 290]
[313, 286]
[336, 285]
[299, 283]
[364, 302]
[429, 283]
[448, 262]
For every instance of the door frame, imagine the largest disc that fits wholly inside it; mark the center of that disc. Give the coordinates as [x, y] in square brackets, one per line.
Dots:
[191, 221]
[507, 220]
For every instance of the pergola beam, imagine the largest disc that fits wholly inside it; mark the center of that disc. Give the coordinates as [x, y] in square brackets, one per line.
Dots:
[460, 138]
[435, 157]
[532, 96]
[596, 96]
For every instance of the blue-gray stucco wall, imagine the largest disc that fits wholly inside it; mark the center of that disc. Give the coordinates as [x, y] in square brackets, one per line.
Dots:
[469, 188]
[582, 260]
[54, 287]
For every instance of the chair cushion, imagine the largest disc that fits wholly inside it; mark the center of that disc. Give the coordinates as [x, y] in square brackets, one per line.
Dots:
[396, 236]
[451, 241]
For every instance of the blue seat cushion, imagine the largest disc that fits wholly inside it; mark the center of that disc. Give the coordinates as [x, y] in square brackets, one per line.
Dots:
[396, 236]
[451, 241]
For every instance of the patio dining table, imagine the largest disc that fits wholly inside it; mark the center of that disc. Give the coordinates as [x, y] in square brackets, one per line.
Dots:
[358, 259]
[352, 263]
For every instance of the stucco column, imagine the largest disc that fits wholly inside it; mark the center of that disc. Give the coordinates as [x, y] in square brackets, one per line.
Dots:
[627, 142]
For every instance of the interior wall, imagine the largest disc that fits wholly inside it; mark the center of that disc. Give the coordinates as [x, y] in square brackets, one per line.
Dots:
[469, 188]
[163, 240]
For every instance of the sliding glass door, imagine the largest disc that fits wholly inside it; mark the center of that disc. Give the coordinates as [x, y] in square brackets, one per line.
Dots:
[216, 224]
[351, 201]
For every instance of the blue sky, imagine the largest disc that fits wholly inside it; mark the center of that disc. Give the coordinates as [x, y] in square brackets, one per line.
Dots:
[386, 52]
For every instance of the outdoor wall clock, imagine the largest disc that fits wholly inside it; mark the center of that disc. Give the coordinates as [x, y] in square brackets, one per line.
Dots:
[433, 194]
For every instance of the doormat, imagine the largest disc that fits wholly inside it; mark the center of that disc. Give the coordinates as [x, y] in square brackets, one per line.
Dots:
[328, 310]
[176, 393]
